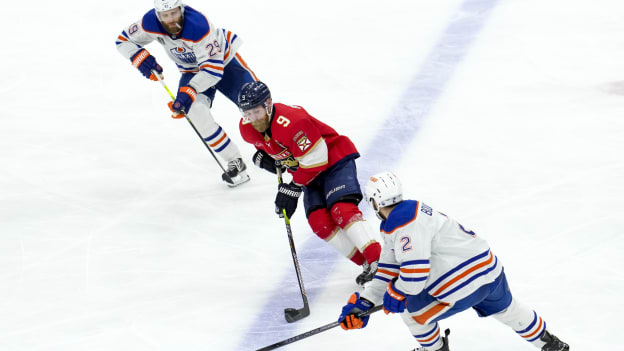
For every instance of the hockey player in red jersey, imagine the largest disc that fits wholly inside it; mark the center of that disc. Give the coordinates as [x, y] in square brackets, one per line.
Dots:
[431, 268]
[322, 164]
[208, 59]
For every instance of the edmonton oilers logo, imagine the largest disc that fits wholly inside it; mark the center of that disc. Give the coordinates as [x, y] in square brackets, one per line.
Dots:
[183, 54]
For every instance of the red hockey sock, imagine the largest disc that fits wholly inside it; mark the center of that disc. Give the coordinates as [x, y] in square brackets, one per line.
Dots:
[372, 252]
[358, 258]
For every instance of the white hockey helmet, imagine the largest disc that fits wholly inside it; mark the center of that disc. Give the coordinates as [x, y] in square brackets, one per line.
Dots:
[166, 5]
[384, 189]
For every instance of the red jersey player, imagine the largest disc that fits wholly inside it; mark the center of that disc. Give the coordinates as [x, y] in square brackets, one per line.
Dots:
[322, 164]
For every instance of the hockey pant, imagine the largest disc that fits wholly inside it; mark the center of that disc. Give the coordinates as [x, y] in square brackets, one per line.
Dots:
[423, 323]
[211, 132]
[346, 231]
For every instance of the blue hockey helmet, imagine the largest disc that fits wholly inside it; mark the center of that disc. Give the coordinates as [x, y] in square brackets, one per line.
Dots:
[253, 94]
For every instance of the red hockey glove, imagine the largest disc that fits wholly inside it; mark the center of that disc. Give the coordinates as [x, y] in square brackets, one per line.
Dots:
[394, 299]
[184, 100]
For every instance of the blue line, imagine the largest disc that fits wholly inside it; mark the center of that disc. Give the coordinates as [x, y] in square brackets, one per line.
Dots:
[384, 153]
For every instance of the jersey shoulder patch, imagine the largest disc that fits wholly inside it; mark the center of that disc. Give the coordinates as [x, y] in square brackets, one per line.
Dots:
[196, 25]
[151, 24]
[405, 213]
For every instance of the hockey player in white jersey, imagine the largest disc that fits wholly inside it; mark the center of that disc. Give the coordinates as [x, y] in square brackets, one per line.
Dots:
[431, 267]
[208, 59]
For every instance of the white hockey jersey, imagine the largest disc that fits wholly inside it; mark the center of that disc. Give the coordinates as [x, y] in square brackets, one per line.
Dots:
[426, 250]
[200, 47]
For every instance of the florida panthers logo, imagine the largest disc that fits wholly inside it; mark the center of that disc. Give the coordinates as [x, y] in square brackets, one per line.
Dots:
[183, 54]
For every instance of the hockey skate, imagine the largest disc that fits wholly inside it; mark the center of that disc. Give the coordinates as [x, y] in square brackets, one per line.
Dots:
[553, 343]
[368, 273]
[236, 173]
[445, 341]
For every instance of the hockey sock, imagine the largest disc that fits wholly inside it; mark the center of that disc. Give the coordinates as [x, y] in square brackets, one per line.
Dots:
[427, 335]
[349, 217]
[524, 321]
[213, 134]
[324, 227]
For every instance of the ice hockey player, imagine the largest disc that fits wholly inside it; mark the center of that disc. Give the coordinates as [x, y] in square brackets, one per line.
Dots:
[432, 267]
[208, 60]
[322, 164]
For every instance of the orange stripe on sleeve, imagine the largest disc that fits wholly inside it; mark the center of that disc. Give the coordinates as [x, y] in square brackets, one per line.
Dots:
[415, 270]
[392, 274]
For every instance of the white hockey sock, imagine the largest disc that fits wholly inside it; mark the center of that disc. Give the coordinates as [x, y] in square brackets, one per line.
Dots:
[362, 236]
[527, 324]
[339, 241]
[427, 335]
[211, 132]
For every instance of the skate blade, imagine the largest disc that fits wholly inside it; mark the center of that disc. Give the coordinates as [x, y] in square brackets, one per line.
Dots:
[238, 180]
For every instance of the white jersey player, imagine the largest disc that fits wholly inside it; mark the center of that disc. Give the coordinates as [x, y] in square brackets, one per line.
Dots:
[432, 267]
[208, 59]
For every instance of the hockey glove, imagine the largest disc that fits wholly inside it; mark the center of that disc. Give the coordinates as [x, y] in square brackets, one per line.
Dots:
[145, 63]
[263, 160]
[348, 319]
[394, 299]
[182, 103]
[287, 198]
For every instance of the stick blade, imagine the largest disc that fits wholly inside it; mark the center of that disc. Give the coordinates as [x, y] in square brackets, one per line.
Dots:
[292, 315]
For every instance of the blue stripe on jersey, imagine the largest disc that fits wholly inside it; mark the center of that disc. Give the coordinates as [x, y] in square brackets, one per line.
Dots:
[412, 279]
[469, 280]
[213, 73]
[460, 266]
[406, 263]
[382, 279]
[186, 68]
[220, 62]
[214, 135]
[123, 32]
[223, 147]
[386, 265]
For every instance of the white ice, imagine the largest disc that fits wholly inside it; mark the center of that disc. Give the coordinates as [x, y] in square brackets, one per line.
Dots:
[116, 232]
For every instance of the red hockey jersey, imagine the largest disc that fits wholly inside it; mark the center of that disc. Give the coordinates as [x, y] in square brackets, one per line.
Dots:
[294, 132]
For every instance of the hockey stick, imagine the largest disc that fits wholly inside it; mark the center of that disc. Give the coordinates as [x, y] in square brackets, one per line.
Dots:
[316, 331]
[293, 314]
[226, 177]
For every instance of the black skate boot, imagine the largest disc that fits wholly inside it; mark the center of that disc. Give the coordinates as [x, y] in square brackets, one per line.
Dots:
[553, 343]
[368, 273]
[445, 341]
[235, 174]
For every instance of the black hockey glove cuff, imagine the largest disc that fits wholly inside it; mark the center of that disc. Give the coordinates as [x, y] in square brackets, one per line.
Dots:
[263, 160]
[287, 198]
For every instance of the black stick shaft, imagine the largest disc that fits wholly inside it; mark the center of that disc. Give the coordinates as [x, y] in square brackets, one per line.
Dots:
[315, 331]
[293, 251]
[160, 79]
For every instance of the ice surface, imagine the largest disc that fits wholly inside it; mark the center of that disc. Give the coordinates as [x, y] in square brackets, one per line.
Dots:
[116, 232]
